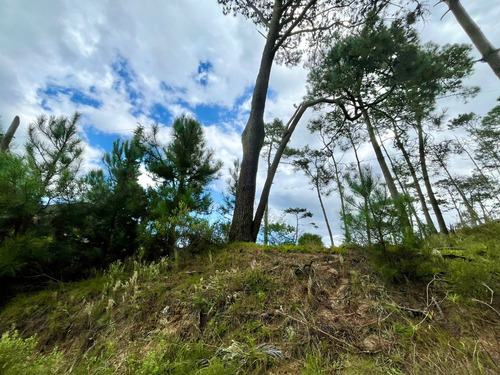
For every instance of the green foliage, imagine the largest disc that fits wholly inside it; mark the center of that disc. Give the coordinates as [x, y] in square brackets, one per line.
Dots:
[20, 195]
[471, 259]
[180, 229]
[280, 233]
[310, 239]
[184, 167]
[319, 363]
[115, 202]
[20, 253]
[399, 263]
[54, 152]
[18, 356]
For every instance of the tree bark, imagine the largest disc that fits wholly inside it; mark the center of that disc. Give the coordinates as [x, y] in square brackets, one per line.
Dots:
[425, 175]
[488, 52]
[7, 138]
[252, 141]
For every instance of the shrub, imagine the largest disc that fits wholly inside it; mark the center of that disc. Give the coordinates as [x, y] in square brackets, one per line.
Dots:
[310, 239]
[397, 263]
[17, 357]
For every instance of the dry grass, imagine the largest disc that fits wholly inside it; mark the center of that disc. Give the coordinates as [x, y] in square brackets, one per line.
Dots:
[250, 309]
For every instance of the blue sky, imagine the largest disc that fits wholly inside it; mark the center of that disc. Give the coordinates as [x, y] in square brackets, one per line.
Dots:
[129, 62]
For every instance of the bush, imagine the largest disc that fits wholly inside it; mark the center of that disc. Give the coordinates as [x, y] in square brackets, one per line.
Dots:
[398, 263]
[180, 230]
[309, 239]
[17, 357]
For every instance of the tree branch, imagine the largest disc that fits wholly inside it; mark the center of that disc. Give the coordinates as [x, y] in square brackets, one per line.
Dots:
[258, 13]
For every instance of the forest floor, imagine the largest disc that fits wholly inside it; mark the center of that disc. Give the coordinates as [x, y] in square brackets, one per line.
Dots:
[250, 309]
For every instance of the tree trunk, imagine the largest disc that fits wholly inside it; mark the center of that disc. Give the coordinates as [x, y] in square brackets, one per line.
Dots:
[340, 188]
[252, 141]
[414, 177]
[455, 205]
[266, 212]
[366, 203]
[290, 128]
[403, 188]
[389, 180]
[488, 52]
[425, 175]
[475, 164]
[472, 213]
[318, 191]
[7, 138]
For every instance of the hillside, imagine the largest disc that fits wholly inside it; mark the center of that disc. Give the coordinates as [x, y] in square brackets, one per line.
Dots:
[249, 309]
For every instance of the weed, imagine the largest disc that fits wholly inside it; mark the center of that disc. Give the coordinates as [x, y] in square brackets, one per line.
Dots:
[18, 356]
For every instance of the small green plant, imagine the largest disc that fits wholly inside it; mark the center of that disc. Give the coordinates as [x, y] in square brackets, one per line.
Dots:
[453, 297]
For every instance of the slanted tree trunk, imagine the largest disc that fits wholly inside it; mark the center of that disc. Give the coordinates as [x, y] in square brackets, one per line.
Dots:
[366, 203]
[479, 169]
[403, 188]
[421, 197]
[474, 217]
[340, 189]
[271, 172]
[7, 138]
[425, 175]
[318, 191]
[252, 141]
[455, 204]
[488, 52]
[389, 180]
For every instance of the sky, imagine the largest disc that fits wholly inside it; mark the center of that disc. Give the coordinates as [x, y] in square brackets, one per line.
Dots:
[123, 63]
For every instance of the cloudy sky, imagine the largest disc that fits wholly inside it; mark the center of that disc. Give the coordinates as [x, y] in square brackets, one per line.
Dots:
[126, 62]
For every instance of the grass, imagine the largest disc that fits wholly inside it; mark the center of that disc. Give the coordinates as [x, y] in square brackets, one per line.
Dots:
[249, 309]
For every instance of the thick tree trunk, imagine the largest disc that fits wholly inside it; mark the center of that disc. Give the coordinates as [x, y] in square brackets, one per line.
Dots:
[389, 180]
[290, 128]
[425, 175]
[413, 173]
[7, 138]
[488, 52]
[252, 141]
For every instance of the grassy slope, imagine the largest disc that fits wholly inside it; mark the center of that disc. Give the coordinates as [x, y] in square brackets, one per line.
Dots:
[248, 309]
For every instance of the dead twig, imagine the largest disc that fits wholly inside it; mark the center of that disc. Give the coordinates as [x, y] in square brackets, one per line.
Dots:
[487, 304]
